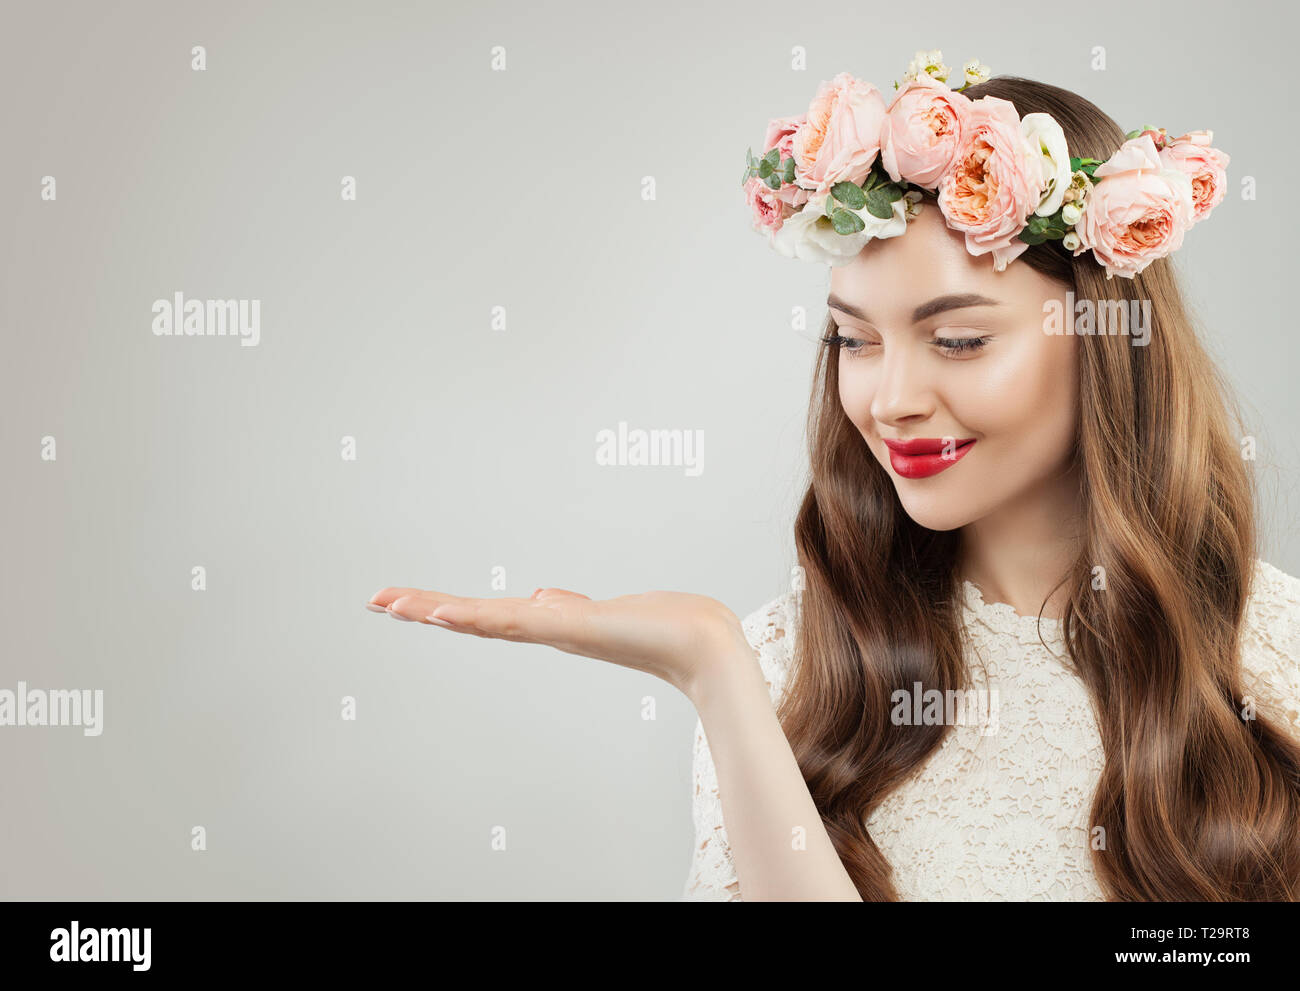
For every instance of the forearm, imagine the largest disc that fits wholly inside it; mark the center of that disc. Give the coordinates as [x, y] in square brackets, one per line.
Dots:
[763, 794]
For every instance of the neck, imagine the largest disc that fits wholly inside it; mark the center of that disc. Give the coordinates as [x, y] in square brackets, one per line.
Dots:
[1020, 553]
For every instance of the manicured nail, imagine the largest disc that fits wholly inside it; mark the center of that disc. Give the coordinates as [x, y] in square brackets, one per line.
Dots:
[397, 615]
[438, 622]
[374, 608]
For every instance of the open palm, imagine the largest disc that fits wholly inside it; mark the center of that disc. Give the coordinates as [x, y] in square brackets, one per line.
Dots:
[676, 636]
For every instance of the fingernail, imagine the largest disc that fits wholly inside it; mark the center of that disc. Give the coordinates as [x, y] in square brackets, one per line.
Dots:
[374, 608]
[397, 615]
[438, 622]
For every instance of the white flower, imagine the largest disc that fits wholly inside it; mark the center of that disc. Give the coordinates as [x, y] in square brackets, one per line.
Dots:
[1045, 140]
[1071, 241]
[975, 72]
[928, 64]
[809, 235]
[1071, 214]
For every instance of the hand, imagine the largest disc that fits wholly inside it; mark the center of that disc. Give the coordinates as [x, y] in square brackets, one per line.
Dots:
[678, 637]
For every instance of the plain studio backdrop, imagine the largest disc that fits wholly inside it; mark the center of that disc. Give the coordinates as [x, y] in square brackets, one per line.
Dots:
[478, 192]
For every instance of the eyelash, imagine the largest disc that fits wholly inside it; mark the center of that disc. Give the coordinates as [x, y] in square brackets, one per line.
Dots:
[958, 345]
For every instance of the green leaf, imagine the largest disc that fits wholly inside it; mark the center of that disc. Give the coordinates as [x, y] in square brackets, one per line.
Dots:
[788, 172]
[764, 168]
[1030, 238]
[894, 191]
[774, 181]
[846, 222]
[850, 194]
[772, 157]
[879, 204]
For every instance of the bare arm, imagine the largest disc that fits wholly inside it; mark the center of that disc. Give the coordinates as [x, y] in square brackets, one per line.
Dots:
[697, 645]
[763, 794]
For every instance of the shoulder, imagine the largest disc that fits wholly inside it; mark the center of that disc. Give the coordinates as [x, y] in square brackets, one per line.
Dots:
[770, 630]
[1270, 654]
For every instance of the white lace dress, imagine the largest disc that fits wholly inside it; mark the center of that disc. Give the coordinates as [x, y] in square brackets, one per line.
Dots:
[1004, 815]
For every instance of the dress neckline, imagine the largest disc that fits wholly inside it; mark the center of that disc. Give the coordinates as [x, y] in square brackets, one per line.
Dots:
[1000, 617]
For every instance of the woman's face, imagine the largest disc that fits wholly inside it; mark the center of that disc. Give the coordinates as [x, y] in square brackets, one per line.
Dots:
[1000, 415]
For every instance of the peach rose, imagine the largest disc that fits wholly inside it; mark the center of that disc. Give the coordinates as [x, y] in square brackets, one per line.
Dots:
[1138, 212]
[994, 184]
[1206, 167]
[840, 137]
[922, 131]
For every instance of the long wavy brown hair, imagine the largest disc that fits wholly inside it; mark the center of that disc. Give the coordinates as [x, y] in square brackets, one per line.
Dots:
[1196, 802]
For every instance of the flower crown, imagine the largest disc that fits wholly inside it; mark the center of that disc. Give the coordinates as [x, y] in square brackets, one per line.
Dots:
[852, 169]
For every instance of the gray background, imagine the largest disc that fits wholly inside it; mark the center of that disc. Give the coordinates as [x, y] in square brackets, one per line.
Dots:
[475, 448]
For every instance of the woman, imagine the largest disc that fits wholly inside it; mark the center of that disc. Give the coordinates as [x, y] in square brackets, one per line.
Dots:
[1053, 524]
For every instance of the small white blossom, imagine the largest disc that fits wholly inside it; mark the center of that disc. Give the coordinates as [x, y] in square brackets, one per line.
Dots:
[928, 64]
[976, 72]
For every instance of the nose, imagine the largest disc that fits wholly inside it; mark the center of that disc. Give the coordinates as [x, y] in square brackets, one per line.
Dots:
[903, 391]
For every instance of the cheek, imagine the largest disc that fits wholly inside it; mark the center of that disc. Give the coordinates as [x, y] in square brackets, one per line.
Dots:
[1026, 394]
[855, 389]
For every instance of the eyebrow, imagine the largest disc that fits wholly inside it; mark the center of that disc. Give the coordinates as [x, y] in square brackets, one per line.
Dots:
[937, 305]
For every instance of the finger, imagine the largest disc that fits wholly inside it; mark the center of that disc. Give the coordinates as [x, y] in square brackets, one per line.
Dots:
[383, 597]
[551, 593]
[417, 604]
[519, 620]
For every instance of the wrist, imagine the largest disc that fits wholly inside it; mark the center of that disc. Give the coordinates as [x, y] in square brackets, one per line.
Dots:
[731, 674]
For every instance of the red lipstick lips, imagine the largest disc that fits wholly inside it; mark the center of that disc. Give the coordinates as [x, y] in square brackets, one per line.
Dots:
[922, 457]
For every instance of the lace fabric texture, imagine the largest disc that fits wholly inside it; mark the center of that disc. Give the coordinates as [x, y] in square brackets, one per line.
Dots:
[1001, 815]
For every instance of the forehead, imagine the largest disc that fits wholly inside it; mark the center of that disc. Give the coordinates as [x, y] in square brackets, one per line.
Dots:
[892, 276]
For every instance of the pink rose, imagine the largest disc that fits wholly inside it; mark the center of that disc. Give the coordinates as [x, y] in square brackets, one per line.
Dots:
[995, 182]
[768, 209]
[840, 137]
[1206, 167]
[922, 132]
[1137, 213]
[780, 135]
[1158, 136]
[792, 194]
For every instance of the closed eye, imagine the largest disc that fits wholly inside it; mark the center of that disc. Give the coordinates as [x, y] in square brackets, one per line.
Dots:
[949, 345]
[959, 345]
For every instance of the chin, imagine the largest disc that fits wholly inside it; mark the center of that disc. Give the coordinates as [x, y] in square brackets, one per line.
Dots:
[939, 514]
